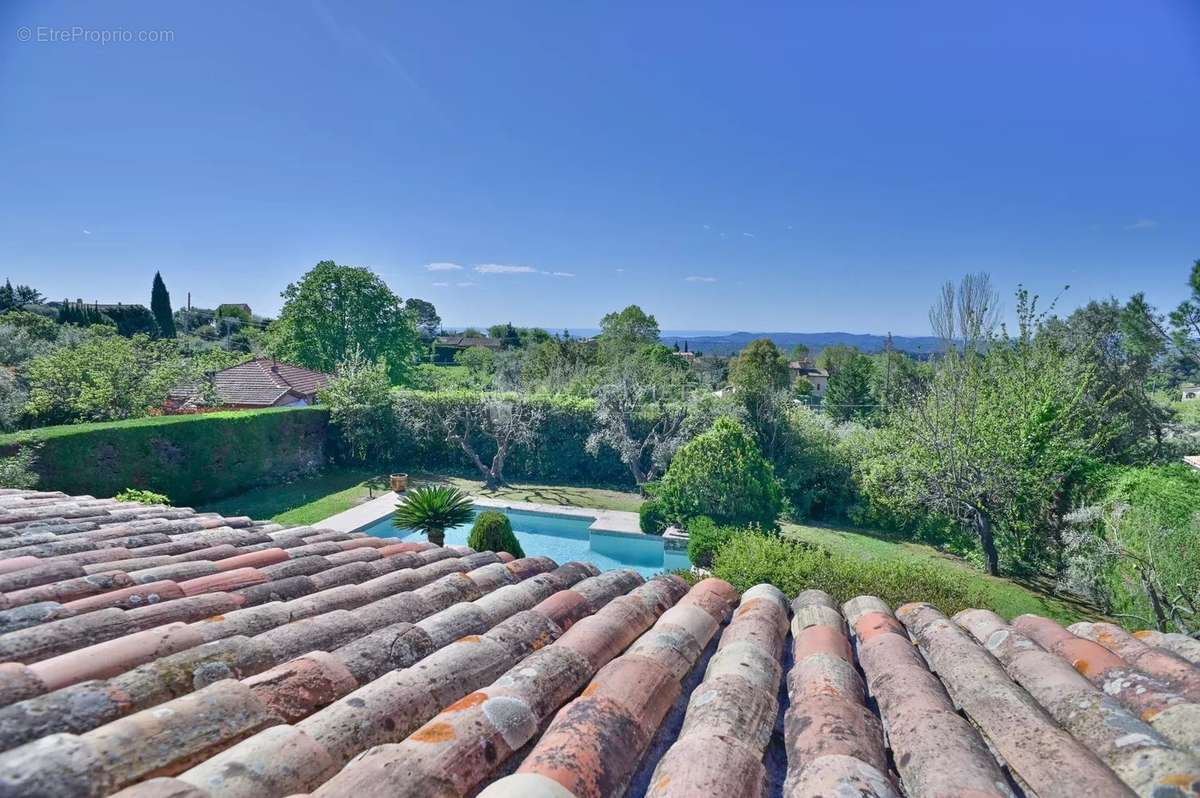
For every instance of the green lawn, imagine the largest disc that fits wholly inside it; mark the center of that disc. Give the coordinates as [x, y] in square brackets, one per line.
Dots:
[304, 501]
[307, 501]
[311, 500]
[1008, 598]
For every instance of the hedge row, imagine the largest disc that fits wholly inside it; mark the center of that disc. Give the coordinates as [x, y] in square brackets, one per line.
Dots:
[748, 559]
[192, 459]
[559, 456]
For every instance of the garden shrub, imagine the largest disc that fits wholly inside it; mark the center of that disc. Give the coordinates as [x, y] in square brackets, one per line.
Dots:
[723, 475]
[814, 469]
[750, 559]
[17, 470]
[142, 497]
[558, 456]
[1138, 536]
[1169, 495]
[193, 459]
[705, 538]
[652, 517]
[493, 532]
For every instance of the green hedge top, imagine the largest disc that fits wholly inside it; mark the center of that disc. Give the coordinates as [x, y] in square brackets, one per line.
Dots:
[13, 439]
[192, 459]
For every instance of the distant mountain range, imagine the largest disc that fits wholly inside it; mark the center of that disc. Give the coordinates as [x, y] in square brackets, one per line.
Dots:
[718, 342]
[729, 343]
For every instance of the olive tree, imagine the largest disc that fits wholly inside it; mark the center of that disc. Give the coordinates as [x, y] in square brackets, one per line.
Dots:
[639, 424]
[500, 422]
[994, 438]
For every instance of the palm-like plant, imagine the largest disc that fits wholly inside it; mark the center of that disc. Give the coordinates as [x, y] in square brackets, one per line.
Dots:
[433, 510]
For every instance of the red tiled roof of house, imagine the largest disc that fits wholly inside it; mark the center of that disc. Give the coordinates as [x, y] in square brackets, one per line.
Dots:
[468, 341]
[262, 382]
[150, 651]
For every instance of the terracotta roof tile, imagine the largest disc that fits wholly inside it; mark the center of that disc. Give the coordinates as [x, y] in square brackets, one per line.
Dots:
[162, 653]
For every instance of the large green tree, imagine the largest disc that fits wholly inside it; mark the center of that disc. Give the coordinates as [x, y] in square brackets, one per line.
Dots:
[335, 311]
[160, 306]
[849, 396]
[102, 376]
[1108, 338]
[759, 368]
[425, 316]
[17, 298]
[625, 332]
[993, 439]
[759, 375]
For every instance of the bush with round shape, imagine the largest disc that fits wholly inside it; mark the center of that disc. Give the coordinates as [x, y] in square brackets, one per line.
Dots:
[652, 517]
[493, 532]
[705, 538]
[433, 510]
[723, 475]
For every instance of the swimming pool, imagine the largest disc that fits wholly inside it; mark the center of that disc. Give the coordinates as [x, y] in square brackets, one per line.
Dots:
[563, 538]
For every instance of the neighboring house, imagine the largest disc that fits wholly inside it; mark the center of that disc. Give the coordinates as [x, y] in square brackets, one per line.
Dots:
[445, 347]
[690, 357]
[257, 383]
[1193, 460]
[1189, 392]
[806, 370]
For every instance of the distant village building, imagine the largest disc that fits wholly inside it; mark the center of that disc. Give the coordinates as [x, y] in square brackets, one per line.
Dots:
[238, 309]
[255, 384]
[806, 370]
[1189, 392]
[445, 347]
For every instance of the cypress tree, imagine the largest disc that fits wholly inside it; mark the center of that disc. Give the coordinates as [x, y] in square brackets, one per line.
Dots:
[160, 306]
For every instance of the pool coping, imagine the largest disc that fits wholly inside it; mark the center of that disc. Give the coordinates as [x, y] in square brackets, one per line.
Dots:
[615, 522]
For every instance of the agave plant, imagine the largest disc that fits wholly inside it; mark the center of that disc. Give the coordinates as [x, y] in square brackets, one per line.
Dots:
[433, 510]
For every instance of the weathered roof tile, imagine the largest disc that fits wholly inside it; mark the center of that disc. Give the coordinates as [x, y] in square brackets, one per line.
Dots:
[260, 661]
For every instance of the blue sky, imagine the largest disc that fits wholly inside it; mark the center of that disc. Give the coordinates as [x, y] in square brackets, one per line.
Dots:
[805, 166]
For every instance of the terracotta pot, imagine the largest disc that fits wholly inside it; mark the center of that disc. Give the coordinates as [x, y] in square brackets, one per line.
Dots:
[399, 482]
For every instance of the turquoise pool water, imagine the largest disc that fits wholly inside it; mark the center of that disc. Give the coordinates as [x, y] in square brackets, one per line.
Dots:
[563, 538]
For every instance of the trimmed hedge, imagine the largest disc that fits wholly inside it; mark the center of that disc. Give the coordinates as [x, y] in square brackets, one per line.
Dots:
[192, 459]
[493, 532]
[750, 558]
[558, 457]
[652, 517]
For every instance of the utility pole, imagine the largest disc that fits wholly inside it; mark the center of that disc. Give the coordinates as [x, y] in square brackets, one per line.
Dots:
[887, 370]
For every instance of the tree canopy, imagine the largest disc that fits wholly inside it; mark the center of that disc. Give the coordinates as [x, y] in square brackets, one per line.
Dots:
[160, 306]
[336, 310]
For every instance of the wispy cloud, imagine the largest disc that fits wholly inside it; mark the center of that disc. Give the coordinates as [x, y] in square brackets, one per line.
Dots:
[441, 285]
[466, 284]
[695, 278]
[562, 274]
[1142, 224]
[442, 266]
[620, 271]
[500, 268]
[355, 40]
[749, 235]
[87, 232]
